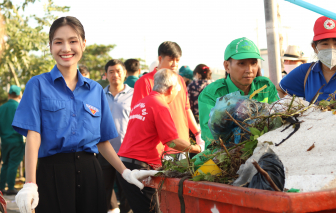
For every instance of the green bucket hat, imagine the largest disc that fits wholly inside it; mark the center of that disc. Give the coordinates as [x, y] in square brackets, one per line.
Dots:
[14, 90]
[185, 71]
[242, 48]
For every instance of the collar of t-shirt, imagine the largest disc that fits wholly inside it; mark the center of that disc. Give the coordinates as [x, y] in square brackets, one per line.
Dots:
[154, 93]
[233, 88]
[56, 74]
[132, 77]
[124, 91]
[12, 100]
[317, 67]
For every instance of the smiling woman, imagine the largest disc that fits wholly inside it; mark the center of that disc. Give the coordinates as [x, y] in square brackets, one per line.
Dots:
[66, 120]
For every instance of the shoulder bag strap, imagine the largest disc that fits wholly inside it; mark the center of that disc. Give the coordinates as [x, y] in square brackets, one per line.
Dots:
[305, 80]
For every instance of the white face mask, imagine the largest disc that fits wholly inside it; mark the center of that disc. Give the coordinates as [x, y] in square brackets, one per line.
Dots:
[327, 57]
[290, 67]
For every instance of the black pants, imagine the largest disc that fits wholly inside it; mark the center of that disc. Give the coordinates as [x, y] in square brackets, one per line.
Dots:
[109, 174]
[69, 183]
[143, 201]
[124, 205]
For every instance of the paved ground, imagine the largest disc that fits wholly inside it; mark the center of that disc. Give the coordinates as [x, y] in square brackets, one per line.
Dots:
[11, 205]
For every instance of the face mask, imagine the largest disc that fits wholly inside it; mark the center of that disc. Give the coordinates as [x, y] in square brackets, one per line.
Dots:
[327, 57]
[290, 67]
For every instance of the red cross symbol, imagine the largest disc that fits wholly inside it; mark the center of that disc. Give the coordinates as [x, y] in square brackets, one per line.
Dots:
[329, 24]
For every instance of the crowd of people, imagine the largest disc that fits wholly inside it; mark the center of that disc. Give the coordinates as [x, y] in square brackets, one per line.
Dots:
[88, 137]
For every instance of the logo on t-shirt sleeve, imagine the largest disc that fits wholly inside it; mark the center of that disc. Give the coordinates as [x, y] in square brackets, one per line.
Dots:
[143, 113]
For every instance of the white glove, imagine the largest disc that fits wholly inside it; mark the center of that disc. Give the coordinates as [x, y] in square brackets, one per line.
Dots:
[135, 176]
[27, 198]
[200, 142]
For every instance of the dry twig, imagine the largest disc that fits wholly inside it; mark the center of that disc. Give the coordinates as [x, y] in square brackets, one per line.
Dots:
[234, 120]
[224, 147]
[265, 174]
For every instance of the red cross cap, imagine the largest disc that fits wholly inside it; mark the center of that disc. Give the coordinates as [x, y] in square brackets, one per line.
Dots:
[329, 24]
[324, 28]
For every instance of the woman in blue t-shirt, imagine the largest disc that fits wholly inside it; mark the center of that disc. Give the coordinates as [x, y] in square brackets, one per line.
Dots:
[307, 79]
[67, 120]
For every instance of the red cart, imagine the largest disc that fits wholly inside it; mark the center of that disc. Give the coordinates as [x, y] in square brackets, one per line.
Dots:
[207, 197]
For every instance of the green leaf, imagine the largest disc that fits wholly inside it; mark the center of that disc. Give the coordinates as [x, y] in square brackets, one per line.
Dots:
[254, 131]
[172, 145]
[265, 129]
[261, 133]
[198, 178]
[201, 172]
[221, 157]
[182, 163]
[209, 177]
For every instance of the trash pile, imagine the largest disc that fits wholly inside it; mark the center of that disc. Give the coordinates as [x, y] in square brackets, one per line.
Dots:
[279, 146]
[308, 155]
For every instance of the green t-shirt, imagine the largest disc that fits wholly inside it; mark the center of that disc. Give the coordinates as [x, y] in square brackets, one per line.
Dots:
[130, 80]
[103, 83]
[7, 133]
[207, 99]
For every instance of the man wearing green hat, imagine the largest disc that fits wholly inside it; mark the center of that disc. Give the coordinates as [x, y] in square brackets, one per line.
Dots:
[241, 66]
[12, 146]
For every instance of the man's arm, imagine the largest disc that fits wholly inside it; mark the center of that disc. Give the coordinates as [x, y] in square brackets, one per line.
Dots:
[205, 104]
[280, 91]
[192, 122]
[184, 146]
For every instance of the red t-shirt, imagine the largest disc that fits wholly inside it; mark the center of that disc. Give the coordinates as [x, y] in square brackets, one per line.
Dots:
[149, 123]
[178, 106]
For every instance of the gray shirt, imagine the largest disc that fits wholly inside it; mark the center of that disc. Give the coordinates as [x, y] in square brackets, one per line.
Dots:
[120, 107]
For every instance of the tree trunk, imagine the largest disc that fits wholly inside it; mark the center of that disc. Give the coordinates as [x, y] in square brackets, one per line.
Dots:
[11, 68]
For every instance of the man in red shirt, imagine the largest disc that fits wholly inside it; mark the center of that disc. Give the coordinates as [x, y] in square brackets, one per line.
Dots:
[150, 123]
[169, 57]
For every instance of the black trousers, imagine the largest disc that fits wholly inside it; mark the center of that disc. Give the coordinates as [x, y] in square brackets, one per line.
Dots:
[109, 174]
[69, 183]
[124, 205]
[143, 201]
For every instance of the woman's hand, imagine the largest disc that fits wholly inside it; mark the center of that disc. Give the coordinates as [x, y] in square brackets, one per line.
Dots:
[135, 176]
[27, 198]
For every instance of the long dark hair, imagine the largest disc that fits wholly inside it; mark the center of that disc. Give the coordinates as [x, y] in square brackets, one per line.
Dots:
[203, 70]
[73, 22]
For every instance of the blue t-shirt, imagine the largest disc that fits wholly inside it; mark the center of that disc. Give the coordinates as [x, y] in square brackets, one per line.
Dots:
[68, 121]
[293, 82]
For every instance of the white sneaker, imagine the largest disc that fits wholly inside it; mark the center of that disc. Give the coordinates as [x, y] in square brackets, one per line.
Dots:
[116, 210]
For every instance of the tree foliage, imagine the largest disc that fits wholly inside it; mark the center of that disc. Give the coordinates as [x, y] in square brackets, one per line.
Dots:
[25, 52]
[95, 57]
[18, 63]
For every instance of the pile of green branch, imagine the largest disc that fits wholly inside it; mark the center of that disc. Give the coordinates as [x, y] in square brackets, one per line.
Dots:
[229, 159]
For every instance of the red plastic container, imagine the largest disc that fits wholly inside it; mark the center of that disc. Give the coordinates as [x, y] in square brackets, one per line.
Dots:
[207, 197]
